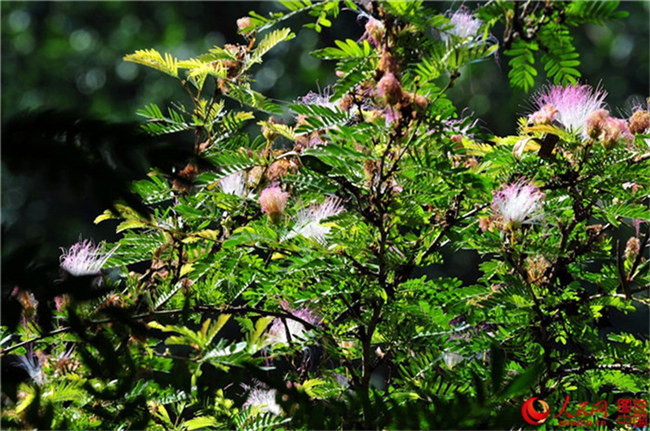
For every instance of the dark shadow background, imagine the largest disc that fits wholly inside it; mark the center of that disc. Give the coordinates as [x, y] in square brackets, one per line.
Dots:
[68, 55]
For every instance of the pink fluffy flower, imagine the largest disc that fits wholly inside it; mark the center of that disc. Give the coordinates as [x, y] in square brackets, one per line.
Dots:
[84, 258]
[273, 202]
[517, 203]
[263, 400]
[308, 220]
[313, 98]
[464, 25]
[290, 330]
[574, 104]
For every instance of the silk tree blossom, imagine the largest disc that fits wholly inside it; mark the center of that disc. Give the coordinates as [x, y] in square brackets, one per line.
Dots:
[31, 364]
[290, 330]
[517, 203]
[375, 30]
[573, 103]
[313, 98]
[308, 221]
[464, 25]
[273, 202]
[460, 126]
[263, 400]
[234, 184]
[84, 258]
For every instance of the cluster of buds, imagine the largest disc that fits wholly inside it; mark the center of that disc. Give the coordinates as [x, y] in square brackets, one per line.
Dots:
[389, 87]
[608, 130]
[243, 25]
[311, 140]
[280, 168]
[28, 302]
[232, 66]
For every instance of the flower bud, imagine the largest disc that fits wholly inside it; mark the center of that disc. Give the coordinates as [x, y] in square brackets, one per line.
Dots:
[243, 23]
[269, 134]
[545, 115]
[301, 142]
[632, 248]
[615, 131]
[457, 139]
[346, 103]
[536, 269]
[389, 88]
[421, 102]
[273, 202]
[640, 122]
[279, 169]
[387, 63]
[595, 123]
[375, 31]
[486, 223]
[185, 178]
[254, 176]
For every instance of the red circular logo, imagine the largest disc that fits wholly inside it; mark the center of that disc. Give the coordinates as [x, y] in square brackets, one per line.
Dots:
[531, 415]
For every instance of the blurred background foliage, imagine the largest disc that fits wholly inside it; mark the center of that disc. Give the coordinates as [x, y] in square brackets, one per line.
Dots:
[68, 55]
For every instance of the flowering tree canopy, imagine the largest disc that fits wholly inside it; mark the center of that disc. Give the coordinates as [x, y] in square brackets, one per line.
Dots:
[276, 276]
